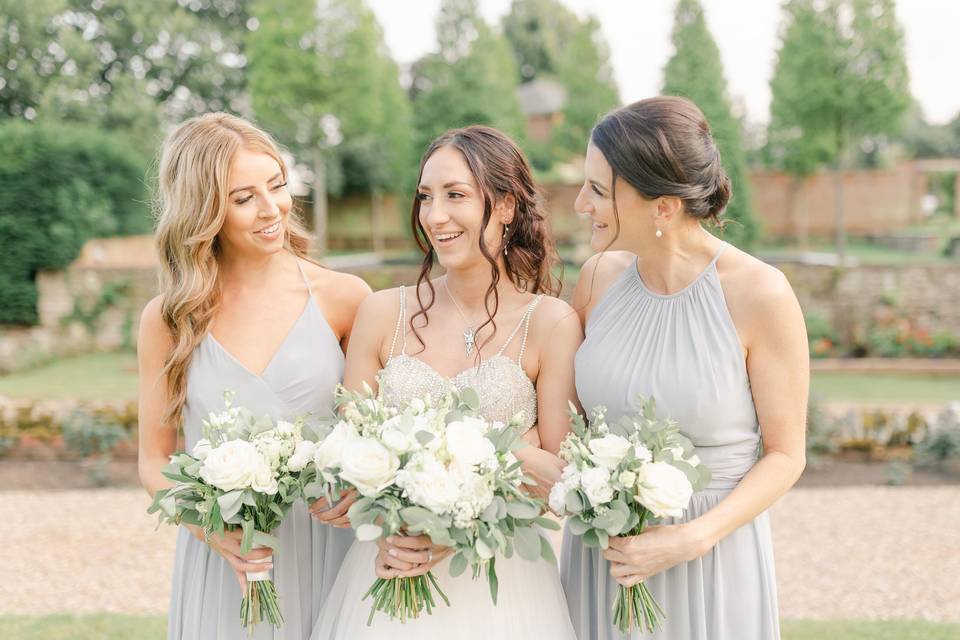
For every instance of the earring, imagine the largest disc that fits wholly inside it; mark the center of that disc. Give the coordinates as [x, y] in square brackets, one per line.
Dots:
[506, 242]
[659, 233]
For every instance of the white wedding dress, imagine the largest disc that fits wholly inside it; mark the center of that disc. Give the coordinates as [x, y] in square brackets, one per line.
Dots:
[530, 602]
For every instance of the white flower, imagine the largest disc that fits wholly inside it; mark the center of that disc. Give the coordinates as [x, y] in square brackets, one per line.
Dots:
[627, 479]
[286, 429]
[264, 481]
[235, 464]
[609, 450]
[330, 452]
[678, 455]
[428, 483]
[467, 444]
[270, 448]
[201, 449]
[397, 440]
[642, 453]
[558, 497]
[368, 465]
[476, 493]
[694, 460]
[663, 489]
[596, 484]
[418, 406]
[302, 455]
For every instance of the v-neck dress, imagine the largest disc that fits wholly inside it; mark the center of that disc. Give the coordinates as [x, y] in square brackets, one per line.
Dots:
[299, 379]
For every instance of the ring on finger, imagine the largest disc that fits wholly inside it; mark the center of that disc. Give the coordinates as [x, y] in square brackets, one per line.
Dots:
[429, 556]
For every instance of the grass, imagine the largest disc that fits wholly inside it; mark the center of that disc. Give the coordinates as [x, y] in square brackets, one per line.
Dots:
[885, 387]
[95, 376]
[105, 626]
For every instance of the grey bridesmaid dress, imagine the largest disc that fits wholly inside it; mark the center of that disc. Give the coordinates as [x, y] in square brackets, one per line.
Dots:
[683, 350]
[300, 379]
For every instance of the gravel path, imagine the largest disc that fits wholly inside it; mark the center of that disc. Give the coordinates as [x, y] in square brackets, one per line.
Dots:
[849, 552]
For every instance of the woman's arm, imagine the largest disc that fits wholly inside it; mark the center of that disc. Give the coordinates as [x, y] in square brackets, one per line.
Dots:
[370, 339]
[768, 315]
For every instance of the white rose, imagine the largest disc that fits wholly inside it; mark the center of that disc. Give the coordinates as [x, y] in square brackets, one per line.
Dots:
[558, 497]
[330, 452]
[609, 450]
[627, 479]
[233, 465]
[467, 444]
[264, 481]
[271, 449]
[302, 455]
[596, 484]
[663, 489]
[368, 465]
[201, 449]
[397, 440]
[429, 484]
[642, 453]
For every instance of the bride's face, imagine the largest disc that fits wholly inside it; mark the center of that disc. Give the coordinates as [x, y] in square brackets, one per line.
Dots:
[451, 211]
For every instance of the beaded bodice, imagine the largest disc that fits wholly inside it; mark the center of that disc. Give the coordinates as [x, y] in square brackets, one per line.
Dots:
[501, 383]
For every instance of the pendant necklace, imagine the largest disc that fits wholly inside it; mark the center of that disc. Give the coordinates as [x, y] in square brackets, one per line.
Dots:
[469, 333]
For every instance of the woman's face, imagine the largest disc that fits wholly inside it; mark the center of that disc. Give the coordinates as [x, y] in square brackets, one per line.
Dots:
[258, 205]
[636, 213]
[451, 211]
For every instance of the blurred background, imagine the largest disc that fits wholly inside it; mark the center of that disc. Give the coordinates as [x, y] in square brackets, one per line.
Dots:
[839, 124]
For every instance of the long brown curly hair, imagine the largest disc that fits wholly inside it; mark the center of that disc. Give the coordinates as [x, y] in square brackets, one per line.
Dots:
[500, 169]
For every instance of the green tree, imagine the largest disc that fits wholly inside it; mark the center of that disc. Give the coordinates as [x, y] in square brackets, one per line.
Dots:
[695, 72]
[472, 79]
[841, 77]
[550, 41]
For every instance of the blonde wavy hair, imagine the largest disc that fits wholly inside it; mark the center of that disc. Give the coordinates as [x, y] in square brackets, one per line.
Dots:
[190, 207]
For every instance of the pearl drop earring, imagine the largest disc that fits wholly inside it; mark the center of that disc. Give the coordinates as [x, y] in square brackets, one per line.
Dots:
[659, 233]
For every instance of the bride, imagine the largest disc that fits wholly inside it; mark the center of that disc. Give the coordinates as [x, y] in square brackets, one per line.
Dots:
[486, 324]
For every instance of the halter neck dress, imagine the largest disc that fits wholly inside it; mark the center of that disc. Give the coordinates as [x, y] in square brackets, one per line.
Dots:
[299, 379]
[530, 602]
[683, 350]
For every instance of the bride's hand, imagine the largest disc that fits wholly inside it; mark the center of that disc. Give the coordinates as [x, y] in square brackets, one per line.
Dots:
[408, 556]
[337, 514]
[228, 546]
[633, 559]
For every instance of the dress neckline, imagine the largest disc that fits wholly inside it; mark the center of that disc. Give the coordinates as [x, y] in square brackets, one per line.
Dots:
[635, 268]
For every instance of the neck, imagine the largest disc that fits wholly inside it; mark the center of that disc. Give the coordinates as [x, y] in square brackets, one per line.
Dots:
[669, 263]
[252, 272]
[469, 286]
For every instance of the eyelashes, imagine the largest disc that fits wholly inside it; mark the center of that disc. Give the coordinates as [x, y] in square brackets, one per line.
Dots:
[247, 199]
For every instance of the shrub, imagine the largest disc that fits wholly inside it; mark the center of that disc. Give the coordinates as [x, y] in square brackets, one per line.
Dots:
[59, 186]
[942, 443]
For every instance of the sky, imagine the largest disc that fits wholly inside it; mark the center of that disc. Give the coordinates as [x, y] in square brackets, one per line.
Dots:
[747, 32]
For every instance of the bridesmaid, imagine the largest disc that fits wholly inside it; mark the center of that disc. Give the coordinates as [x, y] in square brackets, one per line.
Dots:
[717, 337]
[240, 308]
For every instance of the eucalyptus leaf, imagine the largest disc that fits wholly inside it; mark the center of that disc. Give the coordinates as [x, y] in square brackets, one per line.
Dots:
[546, 551]
[458, 564]
[523, 510]
[577, 526]
[527, 542]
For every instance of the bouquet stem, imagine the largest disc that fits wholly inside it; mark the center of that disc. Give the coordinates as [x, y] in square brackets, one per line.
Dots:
[404, 597]
[636, 605]
[260, 603]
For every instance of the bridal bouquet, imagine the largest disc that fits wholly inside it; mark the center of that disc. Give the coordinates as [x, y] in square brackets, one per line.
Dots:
[440, 470]
[620, 476]
[243, 474]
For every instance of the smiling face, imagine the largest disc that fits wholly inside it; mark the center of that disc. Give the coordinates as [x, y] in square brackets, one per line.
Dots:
[637, 214]
[451, 211]
[258, 205]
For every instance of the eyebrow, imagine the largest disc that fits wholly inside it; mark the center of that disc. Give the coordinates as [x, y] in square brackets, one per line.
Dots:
[450, 184]
[279, 174]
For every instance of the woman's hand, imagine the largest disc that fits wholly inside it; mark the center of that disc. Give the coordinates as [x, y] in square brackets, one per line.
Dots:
[408, 556]
[228, 546]
[544, 467]
[633, 559]
[337, 514]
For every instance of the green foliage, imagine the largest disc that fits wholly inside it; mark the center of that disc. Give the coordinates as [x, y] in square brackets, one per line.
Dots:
[88, 434]
[471, 80]
[942, 443]
[59, 186]
[549, 40]
[695, 72]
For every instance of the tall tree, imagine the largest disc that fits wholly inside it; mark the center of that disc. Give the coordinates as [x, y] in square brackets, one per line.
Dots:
[550, 41]
[472, 79]
[841, 77]
[695, 71]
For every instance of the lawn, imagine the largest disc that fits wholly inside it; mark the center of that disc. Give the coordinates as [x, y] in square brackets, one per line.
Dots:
[96, 376]
[129, 627]
[885, 387]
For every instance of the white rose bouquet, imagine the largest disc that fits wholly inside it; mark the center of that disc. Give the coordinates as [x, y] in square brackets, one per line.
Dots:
[441, 471]
[619, 476]
[243, 474]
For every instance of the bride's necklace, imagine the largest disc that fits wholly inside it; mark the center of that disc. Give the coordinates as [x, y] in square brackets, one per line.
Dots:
[469, 332]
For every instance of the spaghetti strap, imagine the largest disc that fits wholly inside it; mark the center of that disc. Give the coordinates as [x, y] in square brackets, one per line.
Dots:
[525, 324]
[723, 247]
[304, 276]
[396, 332]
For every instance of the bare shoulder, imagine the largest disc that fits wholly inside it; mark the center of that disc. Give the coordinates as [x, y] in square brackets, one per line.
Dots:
[154, 335]
[749, 281]
[381, 304]
[553, 314]
[342, 287]
[596, 275]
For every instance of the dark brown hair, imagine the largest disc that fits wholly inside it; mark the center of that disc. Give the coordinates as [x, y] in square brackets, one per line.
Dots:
[663, 147]
[500, 169]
